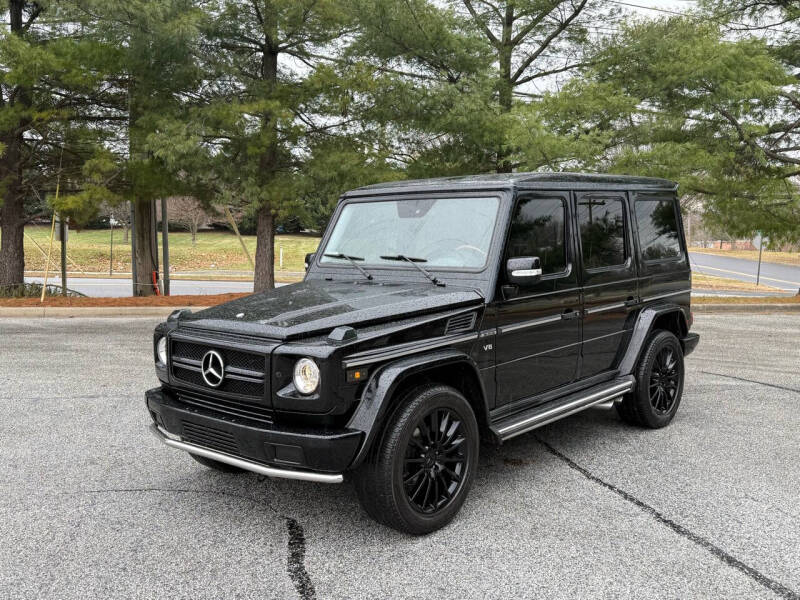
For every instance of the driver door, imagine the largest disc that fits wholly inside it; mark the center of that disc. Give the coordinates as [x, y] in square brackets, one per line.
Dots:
[539, 324]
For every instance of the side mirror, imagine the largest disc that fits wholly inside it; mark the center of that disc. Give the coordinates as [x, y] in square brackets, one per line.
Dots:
[310, 259]
[524, 270]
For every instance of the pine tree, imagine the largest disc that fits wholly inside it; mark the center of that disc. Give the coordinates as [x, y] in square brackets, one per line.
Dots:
[50, 108]
[153, 69]
[677, 99]
[459, 70]
[272, 99]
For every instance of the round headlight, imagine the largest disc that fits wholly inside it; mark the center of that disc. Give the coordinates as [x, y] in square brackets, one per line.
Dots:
[306, 376]
[161, 350]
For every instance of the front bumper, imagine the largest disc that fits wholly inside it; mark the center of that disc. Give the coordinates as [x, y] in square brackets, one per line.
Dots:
[308, 454]
[689, 343]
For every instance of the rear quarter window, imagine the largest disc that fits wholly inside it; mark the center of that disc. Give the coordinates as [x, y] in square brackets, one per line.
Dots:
[657, 222]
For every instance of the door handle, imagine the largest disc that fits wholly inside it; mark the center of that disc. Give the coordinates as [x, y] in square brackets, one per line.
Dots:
[570, 314]
[631, 301]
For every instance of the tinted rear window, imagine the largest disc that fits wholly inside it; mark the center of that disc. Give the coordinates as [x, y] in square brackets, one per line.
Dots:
[658, 228]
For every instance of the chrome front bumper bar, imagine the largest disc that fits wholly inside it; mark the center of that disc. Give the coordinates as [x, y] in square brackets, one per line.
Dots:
[247, 465]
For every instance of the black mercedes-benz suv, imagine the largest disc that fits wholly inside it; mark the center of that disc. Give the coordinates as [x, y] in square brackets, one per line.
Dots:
[434, 314]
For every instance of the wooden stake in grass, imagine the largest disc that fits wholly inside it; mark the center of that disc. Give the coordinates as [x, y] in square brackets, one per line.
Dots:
[49, 253]
[52, 232]
[72, 262]
[238, 235]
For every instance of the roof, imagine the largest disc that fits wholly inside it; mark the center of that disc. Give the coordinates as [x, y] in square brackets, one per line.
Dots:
[584, 181]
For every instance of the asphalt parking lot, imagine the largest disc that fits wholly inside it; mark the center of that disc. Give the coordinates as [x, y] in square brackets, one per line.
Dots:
[91, 505]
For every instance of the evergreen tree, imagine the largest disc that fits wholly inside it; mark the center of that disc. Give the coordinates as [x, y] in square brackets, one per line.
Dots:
[276, 103]
[676, 99]
[153, 71]
[50, 85]
[457, 71]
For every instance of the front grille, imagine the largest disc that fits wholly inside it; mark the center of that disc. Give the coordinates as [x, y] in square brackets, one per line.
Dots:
[210, 437]
[233, 358]
[229, 385]
[245, 372]
[234, 408]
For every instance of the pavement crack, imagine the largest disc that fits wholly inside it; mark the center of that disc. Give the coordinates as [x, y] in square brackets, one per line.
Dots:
[770, 584]
[772, 385]
[295, 564]
[295, 560]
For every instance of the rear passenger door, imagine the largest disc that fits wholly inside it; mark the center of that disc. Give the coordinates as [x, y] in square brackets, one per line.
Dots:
[609, 277]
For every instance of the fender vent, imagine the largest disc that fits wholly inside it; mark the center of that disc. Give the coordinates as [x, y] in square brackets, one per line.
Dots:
[460, 323]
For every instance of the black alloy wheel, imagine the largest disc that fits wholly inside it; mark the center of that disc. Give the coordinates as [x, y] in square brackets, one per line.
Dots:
[435, 460]
[420, 469]
[664, 381]
[659, 383]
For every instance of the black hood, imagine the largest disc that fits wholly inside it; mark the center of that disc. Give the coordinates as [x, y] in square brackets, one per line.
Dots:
[314, 307]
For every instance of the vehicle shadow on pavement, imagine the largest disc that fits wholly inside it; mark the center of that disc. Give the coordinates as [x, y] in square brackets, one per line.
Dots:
[337, 505]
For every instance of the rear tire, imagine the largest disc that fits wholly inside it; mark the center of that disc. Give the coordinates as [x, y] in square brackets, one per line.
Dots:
[421, 468]
[659, 383]
[216, 465]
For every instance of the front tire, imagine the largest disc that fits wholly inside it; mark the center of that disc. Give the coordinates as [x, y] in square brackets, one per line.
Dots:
[659, 383]
[423, 465]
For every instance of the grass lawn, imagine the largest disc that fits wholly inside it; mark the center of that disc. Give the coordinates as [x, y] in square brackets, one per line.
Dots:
[215, 253]
[746, 300]
[710, 282]
[785, 258]
[218, 255]
[176, 301]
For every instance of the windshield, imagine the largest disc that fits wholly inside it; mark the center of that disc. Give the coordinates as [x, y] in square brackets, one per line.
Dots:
[438, 233]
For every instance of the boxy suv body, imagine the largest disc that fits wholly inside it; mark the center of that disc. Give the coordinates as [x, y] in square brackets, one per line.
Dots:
[436, 313]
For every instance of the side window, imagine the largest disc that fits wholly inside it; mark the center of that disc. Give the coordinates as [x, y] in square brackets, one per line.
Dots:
[658, 228]
[537, 229]
[602, 226]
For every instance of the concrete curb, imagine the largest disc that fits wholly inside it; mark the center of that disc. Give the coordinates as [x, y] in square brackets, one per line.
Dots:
[745, 308]
[69, 312]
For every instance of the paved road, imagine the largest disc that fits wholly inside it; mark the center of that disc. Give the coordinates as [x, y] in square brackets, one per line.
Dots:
[118, 288]
[93, 506]
[784, 277]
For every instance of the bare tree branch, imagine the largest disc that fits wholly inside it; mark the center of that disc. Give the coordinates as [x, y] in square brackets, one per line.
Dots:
[547, 41]
[492, 37]
[567, 67]
[747, 140]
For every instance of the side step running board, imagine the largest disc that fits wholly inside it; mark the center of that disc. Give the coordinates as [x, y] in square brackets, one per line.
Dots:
[525, 421]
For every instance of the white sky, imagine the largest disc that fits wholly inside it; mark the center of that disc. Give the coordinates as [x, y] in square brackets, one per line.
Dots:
[673, 5]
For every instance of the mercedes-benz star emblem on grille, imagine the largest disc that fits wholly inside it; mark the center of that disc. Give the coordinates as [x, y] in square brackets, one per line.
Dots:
[213, 368]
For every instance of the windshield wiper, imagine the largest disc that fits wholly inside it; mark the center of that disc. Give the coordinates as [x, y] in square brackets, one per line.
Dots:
[352, 260]
[413, 262]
